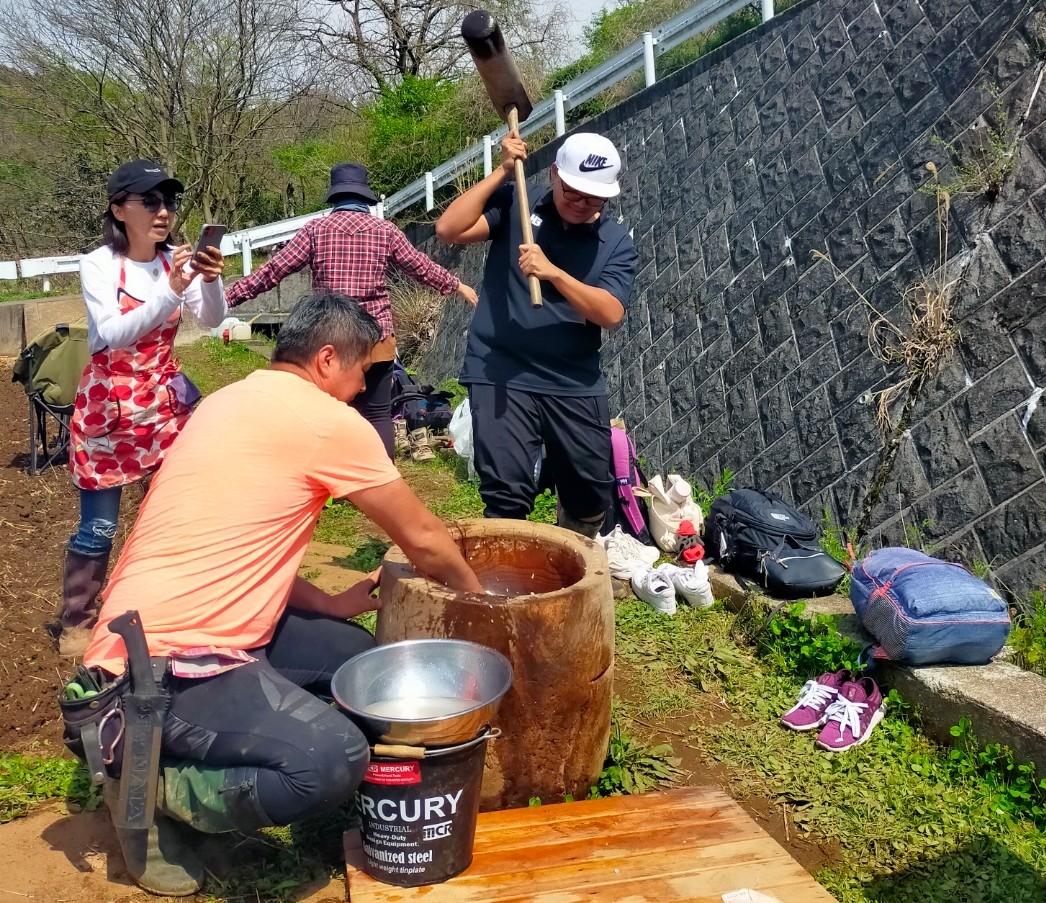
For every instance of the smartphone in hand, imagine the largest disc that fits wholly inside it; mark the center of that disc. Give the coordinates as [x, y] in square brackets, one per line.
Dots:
[210, 237]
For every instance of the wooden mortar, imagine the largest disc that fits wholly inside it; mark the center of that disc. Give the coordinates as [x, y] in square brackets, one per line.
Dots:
[552, 615]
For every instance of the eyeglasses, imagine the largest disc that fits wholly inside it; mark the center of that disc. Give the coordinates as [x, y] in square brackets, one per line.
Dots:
[577, 197]
[153, 202]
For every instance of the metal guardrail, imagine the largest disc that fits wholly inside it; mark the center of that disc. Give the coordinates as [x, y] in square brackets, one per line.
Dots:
[623, 64]
[639, 54]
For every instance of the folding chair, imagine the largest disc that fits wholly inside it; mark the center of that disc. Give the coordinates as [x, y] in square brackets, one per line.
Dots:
[49, 368]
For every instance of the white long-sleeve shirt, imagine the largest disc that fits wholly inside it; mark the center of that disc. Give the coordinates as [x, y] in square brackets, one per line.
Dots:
[108, 328]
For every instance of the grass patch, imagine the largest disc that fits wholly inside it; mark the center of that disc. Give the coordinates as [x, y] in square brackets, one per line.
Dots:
[984, 158]
[723, 484]
[1028, 637]
[462, 502]
[633, 767]
[62, 286]
[27, 780]
[805, 647]
[915, 822]
[837, 541]
[212, 364]
[655, 646]
[544, 511]
[279, 861]
[341, 523]
[367, 556]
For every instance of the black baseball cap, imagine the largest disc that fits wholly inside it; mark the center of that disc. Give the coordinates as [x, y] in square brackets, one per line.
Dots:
[140, 176]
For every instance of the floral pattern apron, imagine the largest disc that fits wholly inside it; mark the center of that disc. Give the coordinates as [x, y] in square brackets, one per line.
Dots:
[125, 417]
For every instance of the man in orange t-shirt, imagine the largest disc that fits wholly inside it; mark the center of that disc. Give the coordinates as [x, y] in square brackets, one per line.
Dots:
[211, 566]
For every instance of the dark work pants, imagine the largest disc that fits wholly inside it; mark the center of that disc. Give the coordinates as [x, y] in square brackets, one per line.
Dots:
[509, 428]
[310, 757]
[375, 402]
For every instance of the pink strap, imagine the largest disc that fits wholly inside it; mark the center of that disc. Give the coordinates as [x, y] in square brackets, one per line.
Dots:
[624, 453]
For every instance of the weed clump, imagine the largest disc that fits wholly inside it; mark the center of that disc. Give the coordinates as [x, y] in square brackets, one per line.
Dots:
[916, 348]
[985, 160]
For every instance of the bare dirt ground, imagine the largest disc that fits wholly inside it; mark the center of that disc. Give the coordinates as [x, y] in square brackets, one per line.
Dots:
[54, 855]
[37, 516]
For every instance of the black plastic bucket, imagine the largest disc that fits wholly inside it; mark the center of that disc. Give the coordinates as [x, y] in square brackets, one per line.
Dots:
[419, 814]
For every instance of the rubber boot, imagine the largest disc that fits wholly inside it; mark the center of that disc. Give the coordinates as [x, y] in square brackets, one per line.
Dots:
[81, 583]
[157, 857]
[213, 800]
[420, 449]
[585, 526]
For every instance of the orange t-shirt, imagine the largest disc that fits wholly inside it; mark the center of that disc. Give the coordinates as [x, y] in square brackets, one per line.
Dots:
[218, 541]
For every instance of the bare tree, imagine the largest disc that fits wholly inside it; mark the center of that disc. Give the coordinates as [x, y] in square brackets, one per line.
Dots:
[381, 41]
[199, 86]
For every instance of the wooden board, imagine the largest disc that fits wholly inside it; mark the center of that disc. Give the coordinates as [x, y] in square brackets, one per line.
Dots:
[683, 845]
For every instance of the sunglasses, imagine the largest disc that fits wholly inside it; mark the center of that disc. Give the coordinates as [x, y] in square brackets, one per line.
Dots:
[153, 202]
[577, 197]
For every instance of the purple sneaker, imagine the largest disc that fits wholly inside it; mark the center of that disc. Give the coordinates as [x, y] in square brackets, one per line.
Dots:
[810, 712]
[856, 710]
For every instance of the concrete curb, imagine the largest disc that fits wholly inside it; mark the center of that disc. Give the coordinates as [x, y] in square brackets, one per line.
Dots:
[1005, 704]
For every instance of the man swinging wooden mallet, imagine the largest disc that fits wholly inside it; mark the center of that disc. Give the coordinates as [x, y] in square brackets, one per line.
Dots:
[536, 394]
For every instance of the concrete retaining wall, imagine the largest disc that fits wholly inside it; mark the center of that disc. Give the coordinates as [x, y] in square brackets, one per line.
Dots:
[741, 351]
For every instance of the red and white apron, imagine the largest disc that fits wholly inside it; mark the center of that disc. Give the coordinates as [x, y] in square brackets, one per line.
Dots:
[125, 418]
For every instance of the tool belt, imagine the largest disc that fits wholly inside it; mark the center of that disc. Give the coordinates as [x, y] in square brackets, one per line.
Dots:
[92, 706]
[92, 712]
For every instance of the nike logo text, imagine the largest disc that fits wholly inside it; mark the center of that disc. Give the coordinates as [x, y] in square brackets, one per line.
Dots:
[592, 163]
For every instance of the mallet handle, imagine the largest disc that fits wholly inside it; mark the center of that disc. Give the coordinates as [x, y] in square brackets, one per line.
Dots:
[524, 209]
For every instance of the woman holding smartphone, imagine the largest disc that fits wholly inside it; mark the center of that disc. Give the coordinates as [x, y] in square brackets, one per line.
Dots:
[132, 400]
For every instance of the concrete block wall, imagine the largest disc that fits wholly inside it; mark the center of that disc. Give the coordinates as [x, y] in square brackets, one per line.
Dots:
[740, 350]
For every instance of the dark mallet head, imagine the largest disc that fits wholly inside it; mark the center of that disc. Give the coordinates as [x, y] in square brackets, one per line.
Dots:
[482, 34]
[495, 65]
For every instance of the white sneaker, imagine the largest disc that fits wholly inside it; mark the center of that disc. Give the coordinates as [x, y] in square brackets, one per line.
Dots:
[651, 586]
[626, 553]
[691, 583]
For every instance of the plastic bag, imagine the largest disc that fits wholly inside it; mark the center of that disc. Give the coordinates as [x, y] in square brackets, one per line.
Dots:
[461, 432]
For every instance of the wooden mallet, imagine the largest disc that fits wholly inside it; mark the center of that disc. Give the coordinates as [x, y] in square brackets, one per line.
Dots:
[501, 77]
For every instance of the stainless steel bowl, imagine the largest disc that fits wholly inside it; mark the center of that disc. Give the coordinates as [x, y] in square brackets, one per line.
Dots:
[423, 692]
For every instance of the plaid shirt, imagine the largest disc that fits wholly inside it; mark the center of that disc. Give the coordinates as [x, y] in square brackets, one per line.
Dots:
[349, 252]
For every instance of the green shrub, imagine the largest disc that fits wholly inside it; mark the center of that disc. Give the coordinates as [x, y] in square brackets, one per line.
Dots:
[1012, 784]
[632, 767]
[1028, 637]
[837, 541]
[805, 647]
[705, 497]
[544, 511]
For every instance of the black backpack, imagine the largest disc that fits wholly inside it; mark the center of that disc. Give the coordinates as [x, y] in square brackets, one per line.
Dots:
[419, 404]
[759, 535]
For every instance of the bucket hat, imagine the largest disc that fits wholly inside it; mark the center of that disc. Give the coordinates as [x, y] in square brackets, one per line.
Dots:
[590, 163]
[350, 178]
[139, 176]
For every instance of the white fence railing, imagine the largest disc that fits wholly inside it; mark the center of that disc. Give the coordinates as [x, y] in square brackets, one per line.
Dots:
[640, 54]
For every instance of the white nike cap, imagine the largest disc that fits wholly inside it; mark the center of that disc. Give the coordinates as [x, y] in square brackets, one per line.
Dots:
[589, 163]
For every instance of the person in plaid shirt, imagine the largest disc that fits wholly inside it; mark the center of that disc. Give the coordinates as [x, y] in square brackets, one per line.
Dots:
[350, 252]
